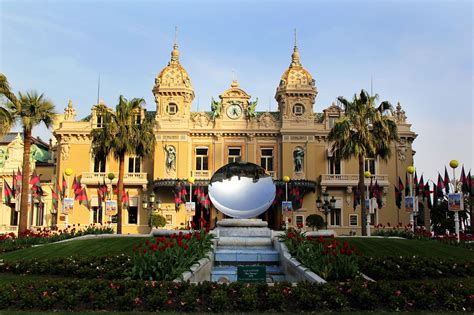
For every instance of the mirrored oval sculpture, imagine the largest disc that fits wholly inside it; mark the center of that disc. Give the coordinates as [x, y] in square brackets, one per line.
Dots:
[242, 190]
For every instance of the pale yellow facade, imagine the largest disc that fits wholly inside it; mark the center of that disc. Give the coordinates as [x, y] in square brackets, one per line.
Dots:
[289, 142]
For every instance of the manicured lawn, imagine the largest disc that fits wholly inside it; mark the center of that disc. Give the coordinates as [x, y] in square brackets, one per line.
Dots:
[89, 247]
[400, 247]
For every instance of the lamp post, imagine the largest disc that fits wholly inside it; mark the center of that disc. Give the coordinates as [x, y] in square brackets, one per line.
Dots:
[111, 177]
[454, 164]
[286, 179]
[326, 205]
[410, 171]
[191, 182]
[68, 172]
[367, 175]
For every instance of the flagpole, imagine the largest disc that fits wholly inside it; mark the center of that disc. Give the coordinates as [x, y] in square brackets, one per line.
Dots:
[68, 172]
[454, 164]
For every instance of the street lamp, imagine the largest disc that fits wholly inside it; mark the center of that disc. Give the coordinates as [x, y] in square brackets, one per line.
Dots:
[286, 179]
[151, 203]
[410, 171]
[367, 175]
[326, 205]
[454, 164]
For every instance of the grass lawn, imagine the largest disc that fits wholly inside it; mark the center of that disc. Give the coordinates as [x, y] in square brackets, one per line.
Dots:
[400, 247]
[86, 247]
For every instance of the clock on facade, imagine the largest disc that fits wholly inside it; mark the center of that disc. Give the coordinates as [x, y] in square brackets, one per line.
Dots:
[234, 111]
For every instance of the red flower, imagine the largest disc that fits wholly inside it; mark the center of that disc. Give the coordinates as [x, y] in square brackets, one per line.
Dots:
[289, 220]
[193, 225]
[138, 301]
[397, 293]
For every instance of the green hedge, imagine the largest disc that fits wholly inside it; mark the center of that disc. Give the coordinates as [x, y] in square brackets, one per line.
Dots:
[90, 267]
[414, 267]
[137, 295]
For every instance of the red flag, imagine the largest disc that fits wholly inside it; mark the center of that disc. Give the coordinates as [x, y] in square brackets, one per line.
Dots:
[407, 185]
[125, 199]
[83, 199]
[76, 187]
[34, 181]
[470, 183]
[64, 188]
[415, 184]
[400, 184]
[398, 197]
[7, 191]
[421, 186]
[54, 194]
[446, 180]
[464, 182]
[14, 184]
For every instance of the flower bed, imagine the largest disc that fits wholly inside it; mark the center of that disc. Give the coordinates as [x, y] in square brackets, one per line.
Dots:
[9, 242]
[138, 295]
[168, 258]
[413, 267]
[90, 267]
[328, 258]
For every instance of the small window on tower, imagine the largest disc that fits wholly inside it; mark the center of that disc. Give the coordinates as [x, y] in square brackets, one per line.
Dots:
[298, 110]
[172, 109]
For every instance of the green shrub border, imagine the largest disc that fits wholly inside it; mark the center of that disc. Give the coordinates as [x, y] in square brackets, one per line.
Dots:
[137, 295]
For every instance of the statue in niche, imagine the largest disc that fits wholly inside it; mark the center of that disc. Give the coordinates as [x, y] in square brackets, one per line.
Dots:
[170, 158]
[298, 157]
[251, 109]
[216, 109]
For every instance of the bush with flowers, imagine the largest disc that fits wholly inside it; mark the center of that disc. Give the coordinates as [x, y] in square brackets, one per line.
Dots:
[164, 296]
[329, 258]
[167, 258]
[10, 241]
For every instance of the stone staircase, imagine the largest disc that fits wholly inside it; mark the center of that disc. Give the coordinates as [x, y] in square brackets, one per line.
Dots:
[244, 242]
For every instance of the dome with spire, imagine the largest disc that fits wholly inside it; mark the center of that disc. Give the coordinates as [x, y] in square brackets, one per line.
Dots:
[174, 75]
[296, 74]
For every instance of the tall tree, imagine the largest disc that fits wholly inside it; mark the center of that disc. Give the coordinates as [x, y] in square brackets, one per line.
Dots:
[29, 109]
[6, 119]
[363, 131]
[120, 135]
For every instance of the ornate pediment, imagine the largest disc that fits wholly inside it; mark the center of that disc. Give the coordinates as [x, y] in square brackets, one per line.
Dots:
[200, 119]
[333, 110]
[267, 120]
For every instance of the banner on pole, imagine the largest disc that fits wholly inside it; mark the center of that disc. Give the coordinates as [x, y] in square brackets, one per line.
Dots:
[455, 202]
[409, 204]
[68, 205]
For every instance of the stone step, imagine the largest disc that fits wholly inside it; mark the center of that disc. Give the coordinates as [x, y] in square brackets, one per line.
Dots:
[244, 241]
[244, 232]
[246, 255]
[242, 223]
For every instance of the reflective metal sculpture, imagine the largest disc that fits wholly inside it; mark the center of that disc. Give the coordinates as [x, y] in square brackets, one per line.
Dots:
[241, 190]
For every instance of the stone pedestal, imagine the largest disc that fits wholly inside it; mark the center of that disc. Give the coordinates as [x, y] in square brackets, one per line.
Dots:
[244, 242]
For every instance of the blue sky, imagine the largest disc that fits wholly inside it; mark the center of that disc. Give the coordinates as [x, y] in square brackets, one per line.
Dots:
[419, 53]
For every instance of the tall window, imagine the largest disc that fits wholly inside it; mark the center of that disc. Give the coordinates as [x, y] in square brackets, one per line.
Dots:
[100, 121]
[137, 119]
[353, 220]
[334, 165]
[134, 164]
[299, 220]
[369, 165]
[234, 155]
[97, 215]
[331, 121]
[99, 165]
[133, 215]
[336, 217]
[14, 217]
[266, 159]
[39, 214]
[373, 217]
[202, 159]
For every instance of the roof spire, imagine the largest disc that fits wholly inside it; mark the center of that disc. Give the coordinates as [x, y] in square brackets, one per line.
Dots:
[295, 57]
[295, 37]
[175, 52]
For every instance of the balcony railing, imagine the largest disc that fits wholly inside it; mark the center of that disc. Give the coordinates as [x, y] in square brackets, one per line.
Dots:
[351, 179]
[94, 178]
[202, 174]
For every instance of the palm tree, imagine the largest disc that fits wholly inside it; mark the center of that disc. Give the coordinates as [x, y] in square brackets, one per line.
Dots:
[121, 135]
[363, 131]
[29, 110]
[6, 120]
